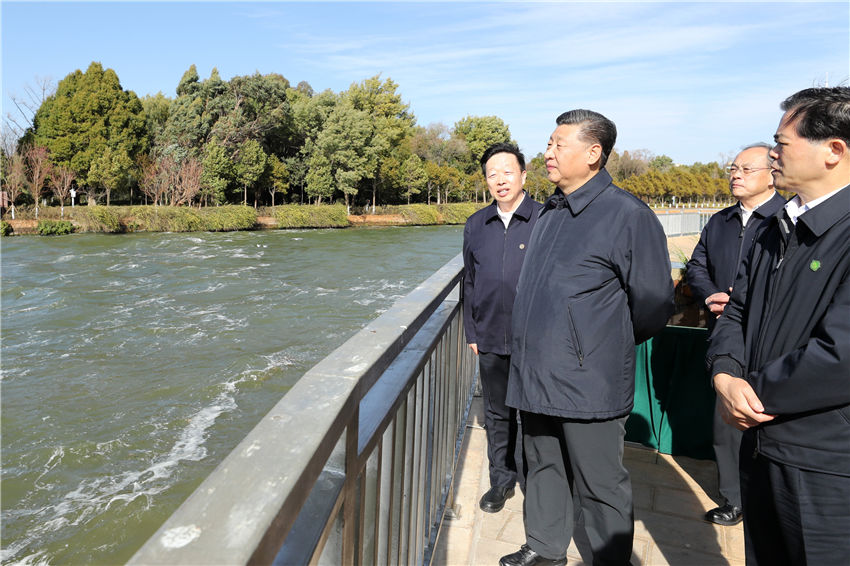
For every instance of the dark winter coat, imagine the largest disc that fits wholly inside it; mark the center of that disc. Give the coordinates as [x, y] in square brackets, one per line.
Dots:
[722, 247]
[596, 281]
[786, 330]
[492, 258]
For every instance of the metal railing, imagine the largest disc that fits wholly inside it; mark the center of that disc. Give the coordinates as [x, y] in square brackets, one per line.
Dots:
[355, 464]
[683, 222]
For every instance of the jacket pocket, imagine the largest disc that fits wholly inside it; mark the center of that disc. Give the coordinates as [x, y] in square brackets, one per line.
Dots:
[576, 336]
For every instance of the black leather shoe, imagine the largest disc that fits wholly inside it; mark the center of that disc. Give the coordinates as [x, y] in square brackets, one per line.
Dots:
[494, 499]
[527, 557]
[726, 515]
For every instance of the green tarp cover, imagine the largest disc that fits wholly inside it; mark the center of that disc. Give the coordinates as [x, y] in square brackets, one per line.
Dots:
[674, 401]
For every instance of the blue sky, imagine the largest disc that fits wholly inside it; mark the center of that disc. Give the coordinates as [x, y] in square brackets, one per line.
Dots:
[695, 81]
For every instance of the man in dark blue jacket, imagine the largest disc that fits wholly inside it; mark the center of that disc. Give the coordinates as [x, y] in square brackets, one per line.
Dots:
[495, 240]
[724, 243]
[780, 354]
[595, 282]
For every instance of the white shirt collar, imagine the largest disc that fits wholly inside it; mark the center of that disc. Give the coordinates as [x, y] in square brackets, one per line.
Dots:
[506, 216]
[746, 214]
[795, 208]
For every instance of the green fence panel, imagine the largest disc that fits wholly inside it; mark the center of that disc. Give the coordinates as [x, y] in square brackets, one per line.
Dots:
[674, 401]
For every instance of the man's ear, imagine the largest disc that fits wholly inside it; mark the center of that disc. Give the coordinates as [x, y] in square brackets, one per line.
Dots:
[594, 154]
[836, 150]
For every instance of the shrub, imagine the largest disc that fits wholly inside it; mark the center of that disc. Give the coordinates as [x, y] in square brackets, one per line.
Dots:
[458, 212]
[5, 228]
[164, 219]
[421, 214]
[54, 227]
[96, 218]
[231, 217]
[311, 216]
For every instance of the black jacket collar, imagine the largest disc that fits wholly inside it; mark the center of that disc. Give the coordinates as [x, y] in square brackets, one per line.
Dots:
[582, 196]
[525, 210]
[822, 217]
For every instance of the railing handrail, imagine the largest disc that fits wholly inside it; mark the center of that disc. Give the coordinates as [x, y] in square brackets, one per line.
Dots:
[242, 512]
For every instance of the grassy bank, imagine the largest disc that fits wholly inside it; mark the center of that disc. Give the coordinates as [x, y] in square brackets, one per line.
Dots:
[121, 219]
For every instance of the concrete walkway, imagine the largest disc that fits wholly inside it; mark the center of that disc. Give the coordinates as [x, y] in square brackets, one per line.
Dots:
[671, 494]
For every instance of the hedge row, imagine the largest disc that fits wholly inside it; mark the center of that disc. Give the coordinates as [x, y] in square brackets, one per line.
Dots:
[112, 219]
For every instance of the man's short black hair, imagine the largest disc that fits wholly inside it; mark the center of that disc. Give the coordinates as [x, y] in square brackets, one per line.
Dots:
[501, 148]
[824, 112]
[595, 128]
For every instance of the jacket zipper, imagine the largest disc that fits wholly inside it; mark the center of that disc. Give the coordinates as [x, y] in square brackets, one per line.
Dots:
[774, 285]
[576, 338]
[502, 293]
[741, 240]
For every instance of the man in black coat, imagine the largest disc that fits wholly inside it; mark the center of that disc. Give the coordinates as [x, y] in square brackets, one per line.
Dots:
[780, 354]
[595, 282]
[495, 240]
[724, 243]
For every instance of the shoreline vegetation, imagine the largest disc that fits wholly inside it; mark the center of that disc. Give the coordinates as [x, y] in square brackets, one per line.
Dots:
[148, 218]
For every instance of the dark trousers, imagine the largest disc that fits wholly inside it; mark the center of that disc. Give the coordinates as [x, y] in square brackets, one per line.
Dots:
[504, 436]
[793, 516]
[727, 447]
[577, 487]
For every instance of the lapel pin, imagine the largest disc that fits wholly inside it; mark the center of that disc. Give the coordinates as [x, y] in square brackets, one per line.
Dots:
[815, 265]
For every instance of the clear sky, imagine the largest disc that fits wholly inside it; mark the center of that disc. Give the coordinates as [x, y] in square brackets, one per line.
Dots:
[695, 81]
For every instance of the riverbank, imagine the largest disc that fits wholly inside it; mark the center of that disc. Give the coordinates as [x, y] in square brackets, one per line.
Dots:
[123, 219]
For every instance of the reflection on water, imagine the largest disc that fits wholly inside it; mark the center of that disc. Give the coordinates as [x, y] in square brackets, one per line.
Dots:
[131, 365]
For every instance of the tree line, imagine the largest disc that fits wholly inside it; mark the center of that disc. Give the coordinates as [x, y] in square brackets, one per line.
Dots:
[257, 140]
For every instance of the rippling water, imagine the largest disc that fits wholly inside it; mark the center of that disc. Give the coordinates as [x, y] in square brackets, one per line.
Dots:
[132, 364]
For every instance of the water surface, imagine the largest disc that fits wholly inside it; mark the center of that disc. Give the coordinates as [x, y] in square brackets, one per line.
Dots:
[132, 364]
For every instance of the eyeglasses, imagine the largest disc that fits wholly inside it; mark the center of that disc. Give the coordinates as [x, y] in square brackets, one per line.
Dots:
[744, 170]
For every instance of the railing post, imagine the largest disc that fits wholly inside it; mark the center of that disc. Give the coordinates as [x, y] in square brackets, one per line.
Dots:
[350, 503]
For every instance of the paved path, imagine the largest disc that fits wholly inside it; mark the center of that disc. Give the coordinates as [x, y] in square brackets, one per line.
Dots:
[670, 493]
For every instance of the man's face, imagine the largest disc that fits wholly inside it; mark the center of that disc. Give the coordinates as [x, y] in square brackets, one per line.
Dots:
[567, 158]
[753, 187]
[796, 161]
[505, 179]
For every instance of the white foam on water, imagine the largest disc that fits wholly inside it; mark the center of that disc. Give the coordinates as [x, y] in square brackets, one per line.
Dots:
[92, 497]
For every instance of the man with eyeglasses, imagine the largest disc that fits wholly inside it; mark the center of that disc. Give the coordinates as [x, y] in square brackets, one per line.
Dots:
[780, 354]
[724, 243]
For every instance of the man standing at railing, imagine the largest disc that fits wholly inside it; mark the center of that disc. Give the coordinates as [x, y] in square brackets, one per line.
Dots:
[595, 282]
[495, 241]
[724, 243]
[780, 354]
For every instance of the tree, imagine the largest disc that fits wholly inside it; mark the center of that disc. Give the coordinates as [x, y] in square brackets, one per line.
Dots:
[480, 132]
[61, 182]
[217, 171]
[413, 175]
[16, 125]
[389, 119]
[276, 176]
[15, 180]
[110, 171]
[661, 163]
[188, 182]
[38, 162]
[320, 181]
[537, 181]
[250, 164]
[340, 153]
[89, 113]
[157, 178]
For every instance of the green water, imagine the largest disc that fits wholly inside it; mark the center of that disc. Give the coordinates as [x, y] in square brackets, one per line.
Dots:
[131, 365]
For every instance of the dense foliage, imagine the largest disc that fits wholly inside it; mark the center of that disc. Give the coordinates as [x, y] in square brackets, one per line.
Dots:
[257, 140]
[293, 216]
[54, 227]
